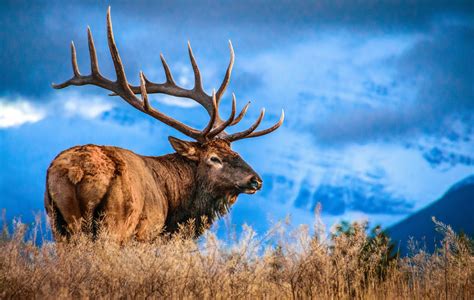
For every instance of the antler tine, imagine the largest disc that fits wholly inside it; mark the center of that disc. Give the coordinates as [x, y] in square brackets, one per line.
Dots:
[191, 132]
[268, 130]
[214, 115]
[197, 73]
[92, 53]
[146, 103]
[169, 76]
[226, 80]
[227, 123]
[75, 67]
[240, 135]
[119, 70]
[79, 79]
[241, 114]
[75, 80]
[249, 132]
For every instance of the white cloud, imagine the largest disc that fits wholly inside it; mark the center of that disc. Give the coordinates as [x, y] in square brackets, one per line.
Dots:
[88, 107]
[21, 111]
[16, 112]
[184, 75]
[179, 102]
[325, 77]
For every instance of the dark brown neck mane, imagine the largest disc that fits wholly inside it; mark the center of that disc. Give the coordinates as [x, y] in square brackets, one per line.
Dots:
[189, 197]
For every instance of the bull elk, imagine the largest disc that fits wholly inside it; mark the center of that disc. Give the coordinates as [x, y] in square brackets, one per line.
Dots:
[134, 196]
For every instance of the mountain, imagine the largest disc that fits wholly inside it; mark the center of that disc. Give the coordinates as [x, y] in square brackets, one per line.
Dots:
[454, 208]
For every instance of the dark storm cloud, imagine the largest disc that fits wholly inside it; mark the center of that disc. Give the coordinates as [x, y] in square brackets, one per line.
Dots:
[439, 69]
[20, 54]
[369, 14]
[35, 36]
[443, 65]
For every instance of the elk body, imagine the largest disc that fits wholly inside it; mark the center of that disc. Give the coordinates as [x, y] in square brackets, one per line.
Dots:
[134, 196]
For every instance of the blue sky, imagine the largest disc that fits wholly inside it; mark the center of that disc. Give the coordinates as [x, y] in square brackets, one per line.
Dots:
[378, 96]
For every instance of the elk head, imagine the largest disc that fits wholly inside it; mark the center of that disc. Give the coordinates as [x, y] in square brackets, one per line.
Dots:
[219, 169]
[217, 165]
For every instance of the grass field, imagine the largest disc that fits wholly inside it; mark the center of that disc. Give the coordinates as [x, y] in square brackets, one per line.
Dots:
[348, 263]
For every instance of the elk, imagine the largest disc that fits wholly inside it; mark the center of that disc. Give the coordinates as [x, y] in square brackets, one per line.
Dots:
[140, 197]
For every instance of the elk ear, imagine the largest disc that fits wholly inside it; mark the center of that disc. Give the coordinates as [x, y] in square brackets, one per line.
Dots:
[185, 148]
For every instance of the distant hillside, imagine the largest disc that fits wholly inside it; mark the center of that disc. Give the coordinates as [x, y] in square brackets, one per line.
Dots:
[455, 208]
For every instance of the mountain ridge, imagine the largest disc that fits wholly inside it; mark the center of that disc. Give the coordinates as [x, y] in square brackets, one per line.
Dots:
[452, 209]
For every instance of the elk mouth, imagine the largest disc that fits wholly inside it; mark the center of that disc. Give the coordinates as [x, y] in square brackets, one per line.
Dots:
[249, 188]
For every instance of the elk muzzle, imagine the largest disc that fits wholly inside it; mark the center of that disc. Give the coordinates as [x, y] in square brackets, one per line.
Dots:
[251, 184]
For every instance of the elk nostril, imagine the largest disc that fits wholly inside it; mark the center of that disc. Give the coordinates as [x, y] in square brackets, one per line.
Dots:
[255, 182]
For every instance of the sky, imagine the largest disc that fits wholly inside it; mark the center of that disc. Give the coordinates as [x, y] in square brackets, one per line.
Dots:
[378, 97]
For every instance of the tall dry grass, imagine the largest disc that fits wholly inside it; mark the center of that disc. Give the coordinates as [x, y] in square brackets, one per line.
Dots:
[283, 264]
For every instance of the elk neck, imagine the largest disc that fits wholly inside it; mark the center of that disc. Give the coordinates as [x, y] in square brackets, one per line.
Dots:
[189, 196]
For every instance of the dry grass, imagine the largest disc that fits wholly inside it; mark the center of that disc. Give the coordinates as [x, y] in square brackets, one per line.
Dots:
[280, 265]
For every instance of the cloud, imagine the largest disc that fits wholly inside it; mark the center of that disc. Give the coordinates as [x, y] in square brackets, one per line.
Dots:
[439, 65]
[17, 113]
[178, 102]
[88, 107]
[365, 14]
[436, 80]
[41, 54]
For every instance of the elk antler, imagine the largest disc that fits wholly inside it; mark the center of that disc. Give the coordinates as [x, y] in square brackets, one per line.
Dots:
[122, 88]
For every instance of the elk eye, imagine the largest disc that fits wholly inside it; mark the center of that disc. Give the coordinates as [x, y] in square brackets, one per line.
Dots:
[216, 160]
